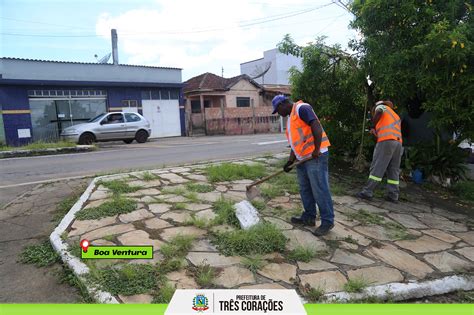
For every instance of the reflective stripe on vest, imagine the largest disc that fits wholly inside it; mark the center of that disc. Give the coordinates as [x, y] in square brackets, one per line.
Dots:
[300, 136]
[389, 126]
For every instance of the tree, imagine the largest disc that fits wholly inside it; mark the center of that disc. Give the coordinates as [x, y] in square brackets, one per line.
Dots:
[421, 52]
[332, 82]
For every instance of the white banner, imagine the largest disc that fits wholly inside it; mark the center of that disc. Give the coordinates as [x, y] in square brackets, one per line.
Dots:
[250, 302]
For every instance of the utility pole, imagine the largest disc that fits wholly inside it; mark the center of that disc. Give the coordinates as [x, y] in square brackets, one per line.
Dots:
[222, 73]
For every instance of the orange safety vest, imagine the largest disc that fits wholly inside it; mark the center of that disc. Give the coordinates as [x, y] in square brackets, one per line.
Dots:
[389, 126]
[299, 135]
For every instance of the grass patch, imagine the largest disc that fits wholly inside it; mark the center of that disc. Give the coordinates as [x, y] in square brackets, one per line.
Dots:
[225, 211]
[338, 189]
[164, 294]
[253, 263]
[177, 247]
[69, 277]
[118, 205]
[333, 244]
[179, 206]
[277, 186]
[356, 285]
[205, 276]
[169, 265]
[349, 239]
[127, 280]
[40, 255]
[181, 191]
[464, 190]
[365, 217]
[228, 172]
[119, 186]
[199, 222]
[63, 208]
[199, 188]
[147, 176]
[40, 145]
[262, 238]
[314, 294]
[301, 253]
[259, 205]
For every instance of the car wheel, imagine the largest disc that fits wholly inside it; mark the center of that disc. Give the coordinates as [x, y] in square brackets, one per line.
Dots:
[86, 138]
[141, 136]
[128, 141]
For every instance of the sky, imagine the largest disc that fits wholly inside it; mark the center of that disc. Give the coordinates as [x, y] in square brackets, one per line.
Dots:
[197, 36]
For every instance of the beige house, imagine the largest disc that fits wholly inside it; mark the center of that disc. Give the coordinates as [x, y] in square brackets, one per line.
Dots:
[217, 105]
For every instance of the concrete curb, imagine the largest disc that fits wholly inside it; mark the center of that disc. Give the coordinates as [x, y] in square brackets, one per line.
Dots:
[392, 291]
[52, 151]
[407, 291]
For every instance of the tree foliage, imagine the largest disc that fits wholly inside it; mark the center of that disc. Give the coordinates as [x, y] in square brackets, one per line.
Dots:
[333, 84]
[421, 52]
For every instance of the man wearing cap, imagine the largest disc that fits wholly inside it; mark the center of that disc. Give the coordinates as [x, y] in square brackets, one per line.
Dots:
[388, 151]
[308, 140]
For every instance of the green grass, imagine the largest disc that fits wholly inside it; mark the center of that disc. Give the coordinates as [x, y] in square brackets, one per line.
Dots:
[277, 186]
[177, 247]
[365, 217]
[147, 176]
[63, 208]
[118, 205]
[314, 294]
[75, 249]
[127, 280]
[119, 186]
[205, 276]
[67, 276]
[259, 205]
[199, 222]
[169, 265]
[40, 255]
[338, 189]
[351, 240]
[229, 172]
[253, 263]
[262, 238]
[164, 294]
[181, 191]
[333, 244]
[40, 145]
[225, 211]
[356, 285]
[464, 190]
[199, 188]
[304, 254]
[179, 206]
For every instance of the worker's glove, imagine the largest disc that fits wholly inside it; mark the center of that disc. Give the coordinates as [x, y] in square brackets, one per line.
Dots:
[287, 166]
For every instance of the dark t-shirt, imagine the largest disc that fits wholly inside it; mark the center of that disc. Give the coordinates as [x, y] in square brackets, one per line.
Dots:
[307, 114]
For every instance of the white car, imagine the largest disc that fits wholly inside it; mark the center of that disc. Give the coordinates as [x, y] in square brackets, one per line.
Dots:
[109, 127]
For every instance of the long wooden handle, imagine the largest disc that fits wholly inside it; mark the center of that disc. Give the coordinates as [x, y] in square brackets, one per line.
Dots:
[275, 174]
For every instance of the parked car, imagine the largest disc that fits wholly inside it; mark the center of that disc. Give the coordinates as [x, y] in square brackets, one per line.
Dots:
[109, 127]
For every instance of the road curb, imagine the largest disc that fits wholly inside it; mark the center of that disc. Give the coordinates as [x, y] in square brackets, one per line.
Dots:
[52, 151]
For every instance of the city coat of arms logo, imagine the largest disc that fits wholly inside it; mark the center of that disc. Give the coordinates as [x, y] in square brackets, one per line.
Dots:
[200, 303]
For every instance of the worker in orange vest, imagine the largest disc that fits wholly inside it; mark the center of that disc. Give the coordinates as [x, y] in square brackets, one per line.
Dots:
[388, 151]
[307, 139]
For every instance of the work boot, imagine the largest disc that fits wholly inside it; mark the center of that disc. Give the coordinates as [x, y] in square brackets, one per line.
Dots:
[323, 229]
[301, 221]
[361, 195]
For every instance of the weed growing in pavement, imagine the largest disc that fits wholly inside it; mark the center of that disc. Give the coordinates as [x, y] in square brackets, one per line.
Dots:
[75, 249]
[278, 185]
[333, 244]
[127, 279]
[262, 238]
[338, 189]
[63, 208]
[351, 240]
[199, 188]
[119, 186]
[169, 265]
[301, 253]
[179, 206]
[118, 205]
[355, 285]
[228, 172]
[177, 247]
[69, 277]
[109, 238]
[253, 263]
[395, 230]
[199, 222]
[164, 294]
[205, 275]
[314, 294]
[147, 176]
[225, 211]
[365, 217]
[40, 255]
[259, 205]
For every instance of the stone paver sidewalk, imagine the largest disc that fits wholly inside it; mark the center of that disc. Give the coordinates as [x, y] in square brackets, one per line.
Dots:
[377, 241]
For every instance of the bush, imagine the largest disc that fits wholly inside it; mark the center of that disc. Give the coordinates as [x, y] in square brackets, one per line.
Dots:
[262, 238]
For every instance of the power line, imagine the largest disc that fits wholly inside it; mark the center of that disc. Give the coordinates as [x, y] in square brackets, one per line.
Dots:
[244, 25]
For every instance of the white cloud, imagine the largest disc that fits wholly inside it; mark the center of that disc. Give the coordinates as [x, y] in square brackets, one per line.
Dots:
[203, 36]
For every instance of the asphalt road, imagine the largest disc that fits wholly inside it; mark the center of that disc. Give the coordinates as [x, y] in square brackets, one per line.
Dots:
[117, 156]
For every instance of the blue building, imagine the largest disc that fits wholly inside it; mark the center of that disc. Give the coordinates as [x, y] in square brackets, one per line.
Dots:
[39, 98]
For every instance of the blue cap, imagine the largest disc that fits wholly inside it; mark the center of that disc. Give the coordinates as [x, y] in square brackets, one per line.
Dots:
[277, 100]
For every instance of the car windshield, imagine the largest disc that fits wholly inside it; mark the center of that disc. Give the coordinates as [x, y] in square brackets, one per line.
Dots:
[97, 118]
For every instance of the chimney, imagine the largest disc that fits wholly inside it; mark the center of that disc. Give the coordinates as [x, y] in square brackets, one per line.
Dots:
[114, 47]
